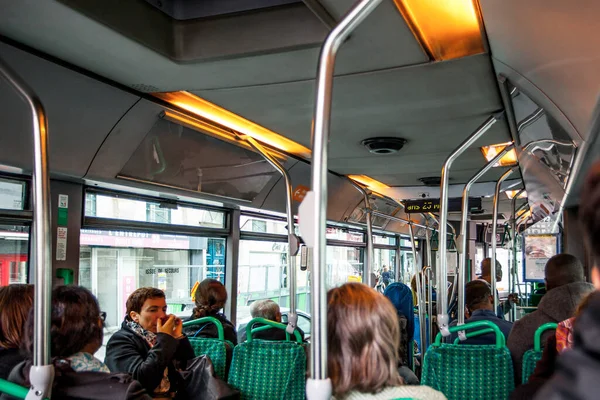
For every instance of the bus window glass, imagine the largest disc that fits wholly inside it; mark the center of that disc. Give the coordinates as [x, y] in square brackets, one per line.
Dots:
[262, 274]
[101, 205]
[262, 225]
[344, 264]
[12, 194]
[14, 254]
[114, 263]
[345, 235]
[384, 240]
[384, 264]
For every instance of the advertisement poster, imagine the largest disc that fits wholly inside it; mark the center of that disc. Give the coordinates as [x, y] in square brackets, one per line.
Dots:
[538, 249]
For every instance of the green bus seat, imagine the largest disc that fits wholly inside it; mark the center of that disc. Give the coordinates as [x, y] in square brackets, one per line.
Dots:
[532, 356]
[470, 371]
[267, 369]
[12, 389]
[215, 348]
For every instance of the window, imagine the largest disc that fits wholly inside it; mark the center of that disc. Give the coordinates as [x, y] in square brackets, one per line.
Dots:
[12, 194]
[344, 264]
[343, 234]
[384, 240]
[385, 261]
[115, 206]
[262, 225]
[263, 274]
[14, 254]
[114, 263]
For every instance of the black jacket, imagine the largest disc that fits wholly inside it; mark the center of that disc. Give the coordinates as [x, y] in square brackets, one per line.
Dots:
[8, 359]
[209, 330]
[577, 374]
[129, 353]
[267, 334]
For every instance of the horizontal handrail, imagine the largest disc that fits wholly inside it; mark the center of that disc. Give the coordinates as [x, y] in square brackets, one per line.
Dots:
[210, 320]
[500, 341]
[268, 324]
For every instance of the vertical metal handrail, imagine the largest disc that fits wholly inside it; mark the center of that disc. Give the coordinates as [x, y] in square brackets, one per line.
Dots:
[513, 269]
[318, 386]
[420, 292]
[42, 372]
[442, 270]
[368, 268]
[293, 242]
[463, 235]
[494, 230]
[428, 275]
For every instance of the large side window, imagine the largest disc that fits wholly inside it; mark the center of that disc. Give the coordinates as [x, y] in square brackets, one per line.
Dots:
[15, 222]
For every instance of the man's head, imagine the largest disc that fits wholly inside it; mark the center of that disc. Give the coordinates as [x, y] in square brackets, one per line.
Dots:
[267, 309]
[589, 215]
[478, 296]
[562, 269]
[486, 270]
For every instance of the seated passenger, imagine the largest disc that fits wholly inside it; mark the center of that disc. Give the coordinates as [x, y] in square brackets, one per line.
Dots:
[270, 310]
[150, 344]
[480, 305]
[363, 336]
[15, 303]
[566, 287]
[210, 298]
[75, 333]
[486, 275]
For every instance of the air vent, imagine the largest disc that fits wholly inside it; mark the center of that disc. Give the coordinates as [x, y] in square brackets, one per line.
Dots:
[384, 145]
[431, 180]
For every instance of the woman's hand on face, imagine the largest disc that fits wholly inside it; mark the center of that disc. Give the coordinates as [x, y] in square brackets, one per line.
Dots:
[178, 332]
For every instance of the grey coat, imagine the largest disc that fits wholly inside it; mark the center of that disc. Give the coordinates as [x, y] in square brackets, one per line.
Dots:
[557, 305]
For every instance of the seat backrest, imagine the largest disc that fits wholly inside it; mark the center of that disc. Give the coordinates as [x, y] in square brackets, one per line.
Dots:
[267, 369]
[468, 371]
[216, 349]
[532, 356]
[12, 389]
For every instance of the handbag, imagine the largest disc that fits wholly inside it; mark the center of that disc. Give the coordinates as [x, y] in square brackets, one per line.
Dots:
[198, 381]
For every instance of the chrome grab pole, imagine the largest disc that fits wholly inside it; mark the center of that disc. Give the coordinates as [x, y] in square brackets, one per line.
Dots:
[462, 267]
[513, 269]
[420, 293]
[494, 230]
[293, 242]
[42, 372]
[369, 219]
[428, 274]
[442, 270]
[314, 206]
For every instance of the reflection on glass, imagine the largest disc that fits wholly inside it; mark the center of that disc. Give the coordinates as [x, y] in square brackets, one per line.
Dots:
[177, 156]
[14, 254]
[113, 207]
[344, 264]
[343, 234]
[113, 264]
[262, 274]
[262, 225]
[12, 194]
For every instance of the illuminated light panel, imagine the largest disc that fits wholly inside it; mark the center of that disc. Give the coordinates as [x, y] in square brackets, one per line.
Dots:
[205, 109]
[512, 193]
[521, 212]
[370, 183]
[447, 29]
[510, 158]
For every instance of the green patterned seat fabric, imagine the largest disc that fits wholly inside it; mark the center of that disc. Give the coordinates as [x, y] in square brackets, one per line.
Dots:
[469, 372]
[269, 370]
[530, 359]
[215, 349]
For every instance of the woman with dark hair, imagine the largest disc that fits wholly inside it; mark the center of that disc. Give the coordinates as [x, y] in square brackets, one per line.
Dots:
[150, 344]
[75, 333]
[15, 302]
[210, 298]
[363, 336]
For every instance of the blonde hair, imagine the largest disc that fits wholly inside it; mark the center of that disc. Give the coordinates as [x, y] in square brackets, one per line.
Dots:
[363, 335]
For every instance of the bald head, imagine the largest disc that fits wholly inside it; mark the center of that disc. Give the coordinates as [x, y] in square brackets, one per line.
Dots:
[486, 270]
[563, 269]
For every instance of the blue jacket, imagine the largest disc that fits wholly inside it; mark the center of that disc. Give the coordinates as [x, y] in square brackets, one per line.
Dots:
[490, 338]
